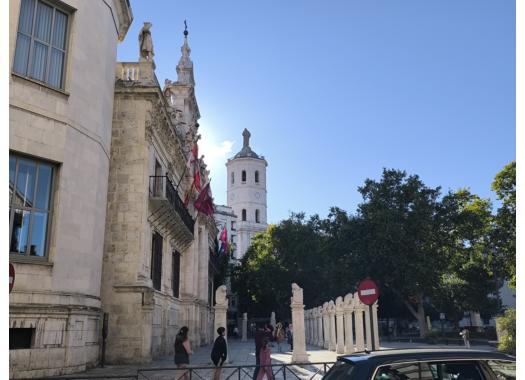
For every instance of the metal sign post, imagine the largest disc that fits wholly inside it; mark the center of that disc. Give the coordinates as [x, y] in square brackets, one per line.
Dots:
[368, 293]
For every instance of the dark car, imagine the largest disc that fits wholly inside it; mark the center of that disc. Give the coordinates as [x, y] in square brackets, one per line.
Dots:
[424, 364]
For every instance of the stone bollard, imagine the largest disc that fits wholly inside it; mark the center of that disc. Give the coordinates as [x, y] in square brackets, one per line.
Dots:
[299, 354]
[349, 335]
[244, 327]
[359, 333]
[340, 334]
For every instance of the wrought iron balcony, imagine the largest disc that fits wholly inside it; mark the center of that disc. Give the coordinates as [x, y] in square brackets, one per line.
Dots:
[163, 192]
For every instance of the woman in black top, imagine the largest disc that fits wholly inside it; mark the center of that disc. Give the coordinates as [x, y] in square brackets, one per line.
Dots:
[182, 349]
[219, 353]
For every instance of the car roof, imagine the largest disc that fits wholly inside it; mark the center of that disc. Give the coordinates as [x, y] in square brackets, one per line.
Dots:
[396, 355]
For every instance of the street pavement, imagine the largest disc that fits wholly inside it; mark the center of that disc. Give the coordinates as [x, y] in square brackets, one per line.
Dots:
[239, 354]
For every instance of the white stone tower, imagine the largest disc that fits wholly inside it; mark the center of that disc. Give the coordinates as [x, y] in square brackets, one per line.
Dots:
[247, 193]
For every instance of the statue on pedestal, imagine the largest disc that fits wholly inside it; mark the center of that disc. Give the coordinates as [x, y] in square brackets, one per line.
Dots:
[146, 43]
[297, 294]
[220, 296]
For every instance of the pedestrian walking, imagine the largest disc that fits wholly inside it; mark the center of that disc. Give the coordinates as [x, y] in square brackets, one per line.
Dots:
[266, 361]
[260, 335]
[465, 334]
[182, 350]
[289, 336]
[280, 335]
[219, 353]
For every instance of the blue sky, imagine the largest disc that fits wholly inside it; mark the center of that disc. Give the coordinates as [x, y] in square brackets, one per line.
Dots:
[334, 91]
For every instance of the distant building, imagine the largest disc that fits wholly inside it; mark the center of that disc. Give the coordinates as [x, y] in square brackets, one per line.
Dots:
[246, 193]
[62, 57]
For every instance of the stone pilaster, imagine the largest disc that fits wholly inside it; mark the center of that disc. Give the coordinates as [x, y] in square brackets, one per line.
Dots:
[326, 327]
[339, 314]
[359, 333]
[331, 318]
[349, 335]
[299, 354]
[376, 326]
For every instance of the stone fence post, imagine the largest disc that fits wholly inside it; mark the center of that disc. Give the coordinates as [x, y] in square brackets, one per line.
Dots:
[340, 333]
[349, 335]
[320, 341]
[326, 327]
[331, 316]
[299, 354]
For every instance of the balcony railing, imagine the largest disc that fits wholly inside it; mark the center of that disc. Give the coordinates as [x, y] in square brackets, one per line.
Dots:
[162, 187]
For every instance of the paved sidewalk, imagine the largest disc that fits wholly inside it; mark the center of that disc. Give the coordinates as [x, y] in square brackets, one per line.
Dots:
[240, 354]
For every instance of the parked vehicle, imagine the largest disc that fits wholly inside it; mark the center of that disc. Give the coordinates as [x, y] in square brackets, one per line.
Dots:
[424, 364]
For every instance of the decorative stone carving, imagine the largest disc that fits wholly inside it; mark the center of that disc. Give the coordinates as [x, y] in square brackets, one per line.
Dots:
[297, 294]
[146, 43]
[220, 296]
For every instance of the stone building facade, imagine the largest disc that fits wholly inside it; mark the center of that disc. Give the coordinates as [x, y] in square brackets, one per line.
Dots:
[60, 119]
[158, 257]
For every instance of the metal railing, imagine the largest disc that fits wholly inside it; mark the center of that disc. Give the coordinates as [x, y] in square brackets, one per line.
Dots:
[301, 371]
[162, 187]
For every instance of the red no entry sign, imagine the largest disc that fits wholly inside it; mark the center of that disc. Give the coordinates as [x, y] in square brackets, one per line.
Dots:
[368, 292]
[11, 277]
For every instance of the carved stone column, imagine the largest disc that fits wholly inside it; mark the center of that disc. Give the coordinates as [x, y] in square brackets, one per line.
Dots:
[349, 335]
[340, 333]
[326, 326]
[368, 328]
[320, 341]
[359, 333]
[331, 317]
[244, 327]
[376, 325]
[299, 354]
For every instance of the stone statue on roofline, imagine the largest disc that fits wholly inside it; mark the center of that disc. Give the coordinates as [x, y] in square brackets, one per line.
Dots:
[146, 43]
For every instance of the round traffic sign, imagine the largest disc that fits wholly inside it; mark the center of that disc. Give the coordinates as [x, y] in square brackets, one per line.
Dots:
[368, 292]
[11, 277]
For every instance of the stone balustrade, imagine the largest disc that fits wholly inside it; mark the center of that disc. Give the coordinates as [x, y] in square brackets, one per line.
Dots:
[343, 326]
[143, 71]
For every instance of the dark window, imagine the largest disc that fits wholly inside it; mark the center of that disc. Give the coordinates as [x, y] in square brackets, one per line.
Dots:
[456, 370]
[156, 260]
[257, 216]
[30, 194]
[233, 177]
[175, 273]
[243, 176]
[233, 226]
[20, 338]
[256, 176]
[244, 215]
[158, 179]
[340, 371]
[41, 43]
[414, 370]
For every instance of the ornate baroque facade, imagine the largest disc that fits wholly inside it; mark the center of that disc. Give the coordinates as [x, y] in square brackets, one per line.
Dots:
[158, 262]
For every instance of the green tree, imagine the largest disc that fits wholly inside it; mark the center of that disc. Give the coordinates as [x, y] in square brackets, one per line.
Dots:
[504, 232]
[399, 241]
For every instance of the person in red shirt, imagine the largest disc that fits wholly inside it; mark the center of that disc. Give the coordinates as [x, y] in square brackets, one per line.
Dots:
[265, 361]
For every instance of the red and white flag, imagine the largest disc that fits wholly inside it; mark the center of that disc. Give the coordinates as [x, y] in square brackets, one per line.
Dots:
[204, 202]
[225, 246]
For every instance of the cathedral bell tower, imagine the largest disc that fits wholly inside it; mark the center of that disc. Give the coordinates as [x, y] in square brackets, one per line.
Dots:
[247, 193]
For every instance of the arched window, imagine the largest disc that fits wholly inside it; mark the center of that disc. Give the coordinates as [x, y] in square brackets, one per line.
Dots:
[233, 177]
[257, 176]
[243, 178]
[244, 215]
[257, 216]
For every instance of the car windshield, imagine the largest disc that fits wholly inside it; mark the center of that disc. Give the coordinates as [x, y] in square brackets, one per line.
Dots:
[341, 370]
